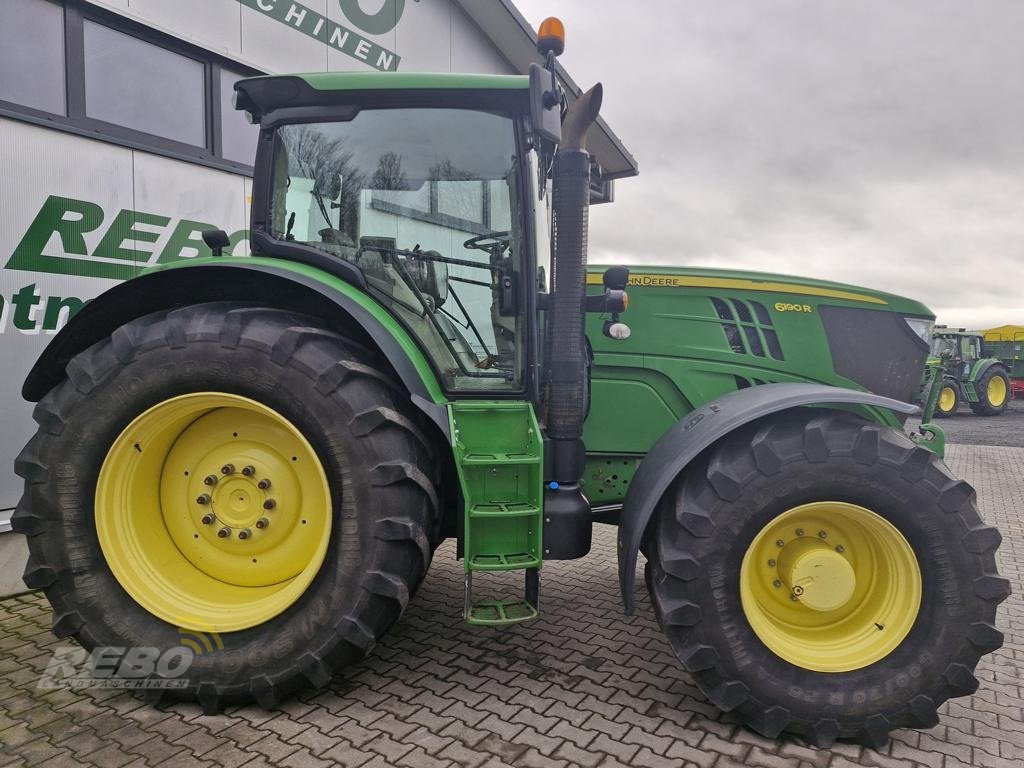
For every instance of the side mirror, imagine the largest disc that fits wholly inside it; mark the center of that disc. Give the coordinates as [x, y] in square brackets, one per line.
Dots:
[616, 278]
[216, 240]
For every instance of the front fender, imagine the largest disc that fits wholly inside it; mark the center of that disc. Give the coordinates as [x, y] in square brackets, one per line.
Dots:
[257, 281]
[685, 440]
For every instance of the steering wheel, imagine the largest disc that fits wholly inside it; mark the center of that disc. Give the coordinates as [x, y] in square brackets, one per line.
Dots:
[489, 243]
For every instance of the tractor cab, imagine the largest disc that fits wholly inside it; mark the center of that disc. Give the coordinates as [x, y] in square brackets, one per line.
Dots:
[422, 195]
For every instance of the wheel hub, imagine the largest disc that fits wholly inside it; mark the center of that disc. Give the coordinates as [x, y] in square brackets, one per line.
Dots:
[244, 507]
[818, 576]
[830, 586]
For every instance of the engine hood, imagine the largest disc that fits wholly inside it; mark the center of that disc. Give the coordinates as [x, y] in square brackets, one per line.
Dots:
[765, 282]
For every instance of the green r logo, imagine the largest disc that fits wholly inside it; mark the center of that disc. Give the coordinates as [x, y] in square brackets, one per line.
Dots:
[377, 23]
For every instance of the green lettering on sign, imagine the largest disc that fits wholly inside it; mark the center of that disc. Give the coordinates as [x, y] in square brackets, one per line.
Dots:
[55, 242]
[24, 302]
[339, 37]
[55, 307]
[124, 230]
[70, 220]
[187, 236]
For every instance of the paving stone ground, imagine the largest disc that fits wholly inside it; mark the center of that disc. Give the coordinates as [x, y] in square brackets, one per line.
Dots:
[581, 686]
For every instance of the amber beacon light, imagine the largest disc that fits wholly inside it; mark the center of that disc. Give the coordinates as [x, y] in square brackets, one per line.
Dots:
[551, 36]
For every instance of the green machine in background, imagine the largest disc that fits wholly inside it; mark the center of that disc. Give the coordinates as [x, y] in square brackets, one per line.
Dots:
[272, 448]
[970, 373]
[1006, 343]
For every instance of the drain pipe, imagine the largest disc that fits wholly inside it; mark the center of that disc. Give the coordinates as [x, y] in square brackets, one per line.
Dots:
[567, 530]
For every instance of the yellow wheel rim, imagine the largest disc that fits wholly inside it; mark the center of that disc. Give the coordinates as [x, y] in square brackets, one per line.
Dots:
[947, 399]
[213, 512]
[830, 586]
[996, 391]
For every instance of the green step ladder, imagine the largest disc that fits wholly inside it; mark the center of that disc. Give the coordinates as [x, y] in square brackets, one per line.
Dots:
[500, 461]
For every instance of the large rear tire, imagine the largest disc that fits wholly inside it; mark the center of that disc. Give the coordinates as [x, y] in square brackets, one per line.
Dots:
[993, 389]
[873, 610]
[218, 417]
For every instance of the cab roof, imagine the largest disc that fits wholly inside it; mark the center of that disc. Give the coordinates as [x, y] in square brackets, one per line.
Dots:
[372, 81]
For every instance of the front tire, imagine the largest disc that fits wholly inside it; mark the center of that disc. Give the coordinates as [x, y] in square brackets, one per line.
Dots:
[870, 488]
[221, 398]
[949, 399]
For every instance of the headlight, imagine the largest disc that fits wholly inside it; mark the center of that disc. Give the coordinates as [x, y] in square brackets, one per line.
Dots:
[921, 327]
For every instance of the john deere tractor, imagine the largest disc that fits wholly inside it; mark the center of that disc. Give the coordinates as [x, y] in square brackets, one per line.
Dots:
[271, 448]
[968, 374]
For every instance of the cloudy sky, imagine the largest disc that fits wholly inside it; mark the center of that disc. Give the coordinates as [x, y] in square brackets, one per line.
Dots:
[873, 142]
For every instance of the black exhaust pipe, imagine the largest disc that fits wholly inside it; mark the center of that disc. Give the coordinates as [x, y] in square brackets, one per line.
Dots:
[567, 528]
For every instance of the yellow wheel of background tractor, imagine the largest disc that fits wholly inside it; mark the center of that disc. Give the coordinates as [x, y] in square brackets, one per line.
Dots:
[993, 388]
[996, 391]
[949, 399]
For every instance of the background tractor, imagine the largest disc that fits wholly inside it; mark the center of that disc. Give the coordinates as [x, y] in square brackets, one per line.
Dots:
[969, 374]
[271, 448]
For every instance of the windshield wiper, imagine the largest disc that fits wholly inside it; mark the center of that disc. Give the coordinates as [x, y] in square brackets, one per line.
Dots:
[389, 254]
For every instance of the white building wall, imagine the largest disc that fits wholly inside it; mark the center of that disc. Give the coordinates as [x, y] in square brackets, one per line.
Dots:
[38, 163]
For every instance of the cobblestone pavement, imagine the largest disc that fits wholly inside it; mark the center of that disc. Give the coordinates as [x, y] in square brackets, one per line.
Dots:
[581, 686]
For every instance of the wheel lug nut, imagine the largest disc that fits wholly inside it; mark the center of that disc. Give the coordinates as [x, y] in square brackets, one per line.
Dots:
[208, 519]
[776, 583]
[203, 498]
[224, 532]
[780, 543]
[227, 469]
[771, 563]
[210, 480]
[269, 504]
[840, 549]
[245, 533]
[249, 470]
[799, 531]
[262, 523]
[263, 484]
[822, 535]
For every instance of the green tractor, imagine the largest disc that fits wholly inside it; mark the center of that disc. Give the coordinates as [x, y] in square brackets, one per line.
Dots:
[271, 448]
[967, 374]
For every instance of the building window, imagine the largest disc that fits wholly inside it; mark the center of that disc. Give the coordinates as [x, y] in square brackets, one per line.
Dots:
[238, 136]
[32, 55]
[72, 66]
[138, 85]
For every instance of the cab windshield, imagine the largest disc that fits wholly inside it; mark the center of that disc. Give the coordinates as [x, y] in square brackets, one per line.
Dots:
[426, 203]
[945, 345]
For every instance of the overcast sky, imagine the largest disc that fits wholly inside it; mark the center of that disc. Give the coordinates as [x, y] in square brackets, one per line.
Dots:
[873, 142]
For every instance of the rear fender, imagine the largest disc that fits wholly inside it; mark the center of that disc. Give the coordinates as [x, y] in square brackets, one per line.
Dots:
[264, 282]
[981, 367]
[690, 436]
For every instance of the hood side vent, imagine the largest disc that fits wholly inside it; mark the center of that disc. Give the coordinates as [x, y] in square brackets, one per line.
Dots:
[748, 328]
